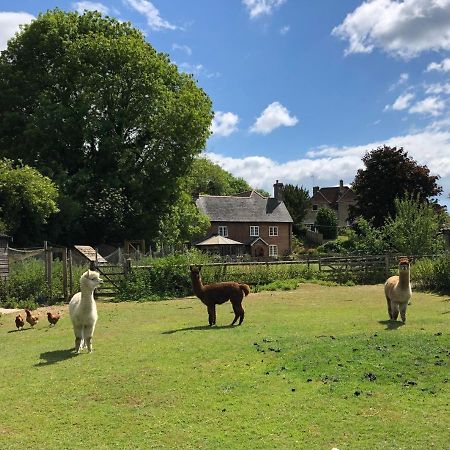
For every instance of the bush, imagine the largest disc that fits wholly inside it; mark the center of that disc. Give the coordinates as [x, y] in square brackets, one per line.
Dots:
[26, 285]
[432, 275]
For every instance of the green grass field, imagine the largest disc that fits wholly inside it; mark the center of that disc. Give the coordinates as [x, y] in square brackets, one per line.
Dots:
[314, 368]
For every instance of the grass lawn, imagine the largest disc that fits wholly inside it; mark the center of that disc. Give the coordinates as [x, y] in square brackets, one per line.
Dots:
[314, 368]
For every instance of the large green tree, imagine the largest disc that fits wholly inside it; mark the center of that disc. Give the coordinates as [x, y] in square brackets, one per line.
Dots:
[297, 202]
[389, 173]
[415, 228]
[327, 223]
[89, 103]
[27, 200]
[206, 177]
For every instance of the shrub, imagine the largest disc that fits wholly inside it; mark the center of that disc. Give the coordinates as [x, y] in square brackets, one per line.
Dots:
[433, 275]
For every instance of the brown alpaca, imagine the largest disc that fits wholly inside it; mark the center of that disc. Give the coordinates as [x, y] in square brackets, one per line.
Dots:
[218, 293]
[398, 290]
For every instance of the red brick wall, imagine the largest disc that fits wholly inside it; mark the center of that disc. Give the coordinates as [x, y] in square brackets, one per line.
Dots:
[241, 232]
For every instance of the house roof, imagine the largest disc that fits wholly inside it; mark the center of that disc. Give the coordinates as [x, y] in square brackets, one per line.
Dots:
[245, 207]
[334, 194]
[219, 240]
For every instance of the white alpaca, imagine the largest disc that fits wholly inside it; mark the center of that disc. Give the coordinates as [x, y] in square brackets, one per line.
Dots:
[398, 291]
[83, 310]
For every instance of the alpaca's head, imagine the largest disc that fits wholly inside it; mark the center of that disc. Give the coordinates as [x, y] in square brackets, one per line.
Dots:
[404, 263]
[90, 280]
[195, 272]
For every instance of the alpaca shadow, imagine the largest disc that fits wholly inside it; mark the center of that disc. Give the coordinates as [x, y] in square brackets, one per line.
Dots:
[55, 356]
[391, 324]
[199, 328]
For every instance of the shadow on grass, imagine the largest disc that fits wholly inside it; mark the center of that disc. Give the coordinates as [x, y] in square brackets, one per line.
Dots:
[199, 328]
[55, 356]
[23, 329]
[391, 324]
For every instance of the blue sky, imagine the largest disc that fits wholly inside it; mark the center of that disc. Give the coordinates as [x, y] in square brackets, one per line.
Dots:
[301, 89]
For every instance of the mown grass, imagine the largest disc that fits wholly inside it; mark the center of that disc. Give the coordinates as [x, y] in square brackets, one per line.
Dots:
[314, 368]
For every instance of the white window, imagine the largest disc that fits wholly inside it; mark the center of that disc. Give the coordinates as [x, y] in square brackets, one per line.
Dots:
[273, 250]
[254, 231]
[273, 231]
[223, 231]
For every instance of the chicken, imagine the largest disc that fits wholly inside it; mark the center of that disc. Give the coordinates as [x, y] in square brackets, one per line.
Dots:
[19, 322]
[53, 318]
[32, 320]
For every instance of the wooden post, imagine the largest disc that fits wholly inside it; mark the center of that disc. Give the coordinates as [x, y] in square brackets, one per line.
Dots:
[127, 266]
[64, 274]
[320, 264]
[49, 260]
[386, 265]
[70, 272]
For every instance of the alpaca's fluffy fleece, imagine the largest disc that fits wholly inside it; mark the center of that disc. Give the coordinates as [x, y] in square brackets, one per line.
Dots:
[398, 291]
[83, 310]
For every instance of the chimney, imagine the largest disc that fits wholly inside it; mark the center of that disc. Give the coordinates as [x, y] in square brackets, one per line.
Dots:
[341, 184]
[278, 191]
[315, 189]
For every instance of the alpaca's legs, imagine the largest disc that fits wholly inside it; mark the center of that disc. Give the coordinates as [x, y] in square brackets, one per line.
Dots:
[238, 313]
[78, 331]
[88, 333]
[394, 310]
[389, 307]
[212, 315]
[403, 311]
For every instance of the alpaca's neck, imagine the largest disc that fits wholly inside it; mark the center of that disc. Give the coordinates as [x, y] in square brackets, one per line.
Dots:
[87, 295]
[197, 286]
[403, 279]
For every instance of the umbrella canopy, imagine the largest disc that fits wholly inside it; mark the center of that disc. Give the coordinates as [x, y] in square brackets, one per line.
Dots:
[219, 240]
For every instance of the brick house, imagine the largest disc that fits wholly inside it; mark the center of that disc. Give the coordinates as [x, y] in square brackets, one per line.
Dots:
[262, 225]
[338, 198]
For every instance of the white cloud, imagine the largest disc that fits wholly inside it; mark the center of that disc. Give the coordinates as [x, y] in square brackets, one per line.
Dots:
[403, 79]
[9, 25]
[328, 164]
[402, 102]
[443, 66]
[403, 28]
[438, 88]
[197, 70]
[430, 105]
[274, 116]
[151, 13]
[258, 8]
[285, 30]
[91, 6]
[184, 48]
[224, 123]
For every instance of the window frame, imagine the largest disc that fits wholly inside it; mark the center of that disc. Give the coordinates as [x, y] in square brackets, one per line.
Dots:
[273, 230]
[315, 207]
[224, 228]
[255, 228]
[273, 253]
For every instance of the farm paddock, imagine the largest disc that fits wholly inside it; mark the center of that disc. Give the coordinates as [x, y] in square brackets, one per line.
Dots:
[314, 368]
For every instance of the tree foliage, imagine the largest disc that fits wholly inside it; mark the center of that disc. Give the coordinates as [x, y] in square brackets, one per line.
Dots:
[206, 177]
[389, 173]
[326, 223]
[297, 202]
[88, 102]
[414, 230]
[27, 200]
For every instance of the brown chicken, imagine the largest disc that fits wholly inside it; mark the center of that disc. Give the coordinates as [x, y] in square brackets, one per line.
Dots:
[19, 322]
[32, 320]
[53, 318]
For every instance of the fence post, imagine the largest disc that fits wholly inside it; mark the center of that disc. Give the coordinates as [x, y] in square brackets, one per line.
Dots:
[127, 266]
[386, 264]
[48, 267]
[320, 264]
[64, 273]
[70, 272]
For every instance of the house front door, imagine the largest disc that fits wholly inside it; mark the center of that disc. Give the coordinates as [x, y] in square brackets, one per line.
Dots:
[258, 251]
